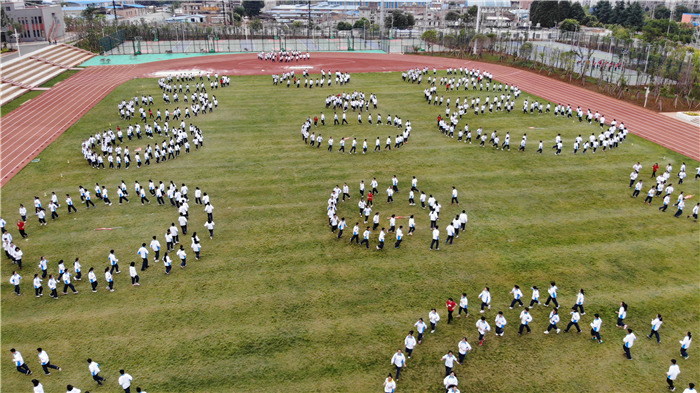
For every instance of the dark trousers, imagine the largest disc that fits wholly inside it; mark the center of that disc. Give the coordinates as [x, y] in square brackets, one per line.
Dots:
[655, 334]
[66, 286]
[144, 264]
[435, 243]
[71, 207]
[409, 352]
[450, 317]
[627, 351]
[670, 383]
[684, 352]
[397, 244]
[355, 238]
[47, 366]
[398, 372]
[94, 285]
[579, 307]
[157, 255]
[553, 300]
[54, 293]
[113, 268]
[461, 357]
[573, 324]
[523, 327]
[135, 280]
[465, 311]
[515, 301]
[448, 370]
[24, 369]
[98, 379]
[365, 242]
[38, 291]
[552, 326]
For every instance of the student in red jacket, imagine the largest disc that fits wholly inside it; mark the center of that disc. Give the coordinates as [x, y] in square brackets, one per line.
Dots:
[450, 309]
[20, 225]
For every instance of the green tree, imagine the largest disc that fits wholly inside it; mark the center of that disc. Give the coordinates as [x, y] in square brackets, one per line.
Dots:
[255, 25]
[635, 17]
[525, 50]
[399, 20]
[679, 11]
[344, 26]
[544, 14]
[362, 23]
[661, 12]
[569, 25]
[591, 21]
[430, 37]
[563, 10]
[252, 8]
[604, 12]
[619, 14]
[577, 12]
[452, 16]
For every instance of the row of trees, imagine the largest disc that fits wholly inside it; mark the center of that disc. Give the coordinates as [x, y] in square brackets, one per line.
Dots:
[548, 14]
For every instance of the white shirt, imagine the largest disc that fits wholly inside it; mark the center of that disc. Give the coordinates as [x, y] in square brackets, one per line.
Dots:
[525, 317]
[132, 271]
[39, 388]
[500, 321]
[436, 234]
[450, 381]
[449, 360]
[43, 357]
[464, 347]
[629, 340]
[125, 381]
[389, 386]
[673, 372]
[482, 326]
[656, 324]
[485, 296]
[17, 358]
[434, 317]
[398, 359]
[410, 342]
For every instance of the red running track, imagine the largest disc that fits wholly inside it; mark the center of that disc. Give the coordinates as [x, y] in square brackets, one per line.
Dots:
[28, 130]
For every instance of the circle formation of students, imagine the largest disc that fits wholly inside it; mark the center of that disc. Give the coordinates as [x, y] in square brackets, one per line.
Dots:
[609, 138]
[284, 56]
[526, 320]
[178, 198]
[366, 206]
[664, 187]
[325, 79]
[112, 155]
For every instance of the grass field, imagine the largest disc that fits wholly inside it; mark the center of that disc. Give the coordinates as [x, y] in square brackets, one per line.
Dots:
[276, 304]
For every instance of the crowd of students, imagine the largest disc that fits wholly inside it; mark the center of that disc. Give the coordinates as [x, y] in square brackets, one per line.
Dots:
[124, 380]
[526, 320]
[325, 79]
[366, 206]
[284, 56]
[663, 186]
[178, 197]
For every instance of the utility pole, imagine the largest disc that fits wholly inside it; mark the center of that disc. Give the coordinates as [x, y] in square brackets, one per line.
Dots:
[223, 4]
[308, 24]
[114, 8]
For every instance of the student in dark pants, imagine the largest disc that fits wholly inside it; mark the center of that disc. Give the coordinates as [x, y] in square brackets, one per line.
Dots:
[19, 362]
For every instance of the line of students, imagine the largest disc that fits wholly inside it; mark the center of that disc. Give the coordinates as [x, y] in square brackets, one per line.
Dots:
[663, 187]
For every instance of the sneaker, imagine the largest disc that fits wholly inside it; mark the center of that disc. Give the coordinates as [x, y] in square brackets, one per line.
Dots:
[546, 332]
[432, 331]
[558, 330]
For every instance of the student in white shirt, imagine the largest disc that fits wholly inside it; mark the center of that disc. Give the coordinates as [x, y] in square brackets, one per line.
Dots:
[125, 381]
[434, 317]
[535, 296]
[450, 360]
[53, 285]
[410, 343]
[143, 253]
[210, 226]
[420, 327]
[553, 321]
[552, 295]
[464, 348]
[450, 381]
[72, 389]
[517, 294]
[45, 362]
[525, 319]
[575, 317]
[485, 297]
[398, 360]
[38, 288]
[133, 274]
[628, 342]
[183, 256]
[655, 326]
[389, 384]
[482, 326]
[621, 315]
[436, 239]
[595, 328]
[463, 305]
[15, 279]
[155, 246]
[38, 387]
[500, 323]
[580, 298]
[685, 344]
[109, 279]
[94, 368]
[672, 374]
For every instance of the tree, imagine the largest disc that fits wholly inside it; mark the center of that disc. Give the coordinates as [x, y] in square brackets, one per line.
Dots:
[661, 12]
[255, 25]
[569, 25]
[399, 20]
[430, 36]
[619, 14]
[363, 23]
[252, 8]
[563, 10]
[344, 26]
[544, 14]
[604, 12]
[591, 21]
[635, 17]
[577, 12]
[679, 11]
[452, 16]
[525, 50]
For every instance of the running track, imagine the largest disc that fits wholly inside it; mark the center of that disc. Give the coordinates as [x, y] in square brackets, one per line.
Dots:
[29, 129]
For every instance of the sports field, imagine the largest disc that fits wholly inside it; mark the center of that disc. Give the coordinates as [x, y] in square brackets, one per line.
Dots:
[277, 304]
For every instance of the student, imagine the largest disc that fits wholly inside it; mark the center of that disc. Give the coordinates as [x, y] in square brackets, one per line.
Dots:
[485, 297]
[398, 360]
[553, 321]
[655, 326]
[53, 285]
[73, 389]
[109, 279]
[143, 253]
[433, 317]
[525, 319]
[382, 235]
[535, 296]
[399, 236]
[450, 360]
[45, 362]
[210, 226]
[517, 294]
[92, 277]
[690, 389]
[450, 382]
[621, 315]
[483, 327]
[464, 348]
[552, 295]
[410, 343]
[38, 387]
[672, 374]
[167, 262]
[113, 262]
[183, 256]
[77, 267]
[389, 385]
[196, 245]
[463, 305]
[19, 362]
[500, 323]
[125, 381]
[67, 283]
[685, 344]
[38, 288]
[15, 279]
[436, 239]
[454, 196]
[420, 327]
[365, 237]
[595, 328]
[580, 298]
[134, 275]
[628, 342]
[21, 225]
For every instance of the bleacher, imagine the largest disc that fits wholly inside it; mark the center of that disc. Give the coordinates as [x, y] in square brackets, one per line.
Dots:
[32, 70]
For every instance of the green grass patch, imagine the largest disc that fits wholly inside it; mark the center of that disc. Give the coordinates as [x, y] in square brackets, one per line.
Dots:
[278, 304]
